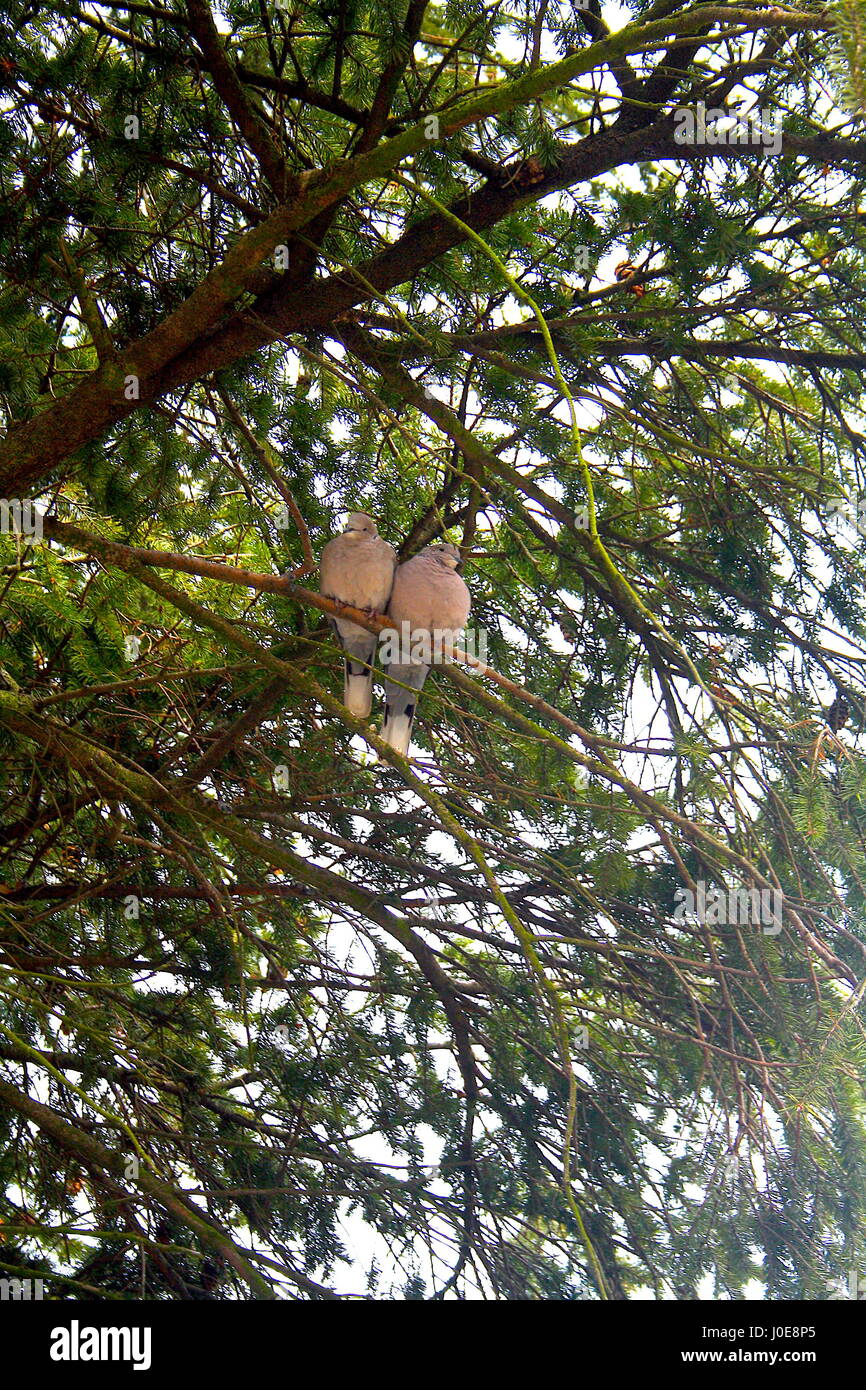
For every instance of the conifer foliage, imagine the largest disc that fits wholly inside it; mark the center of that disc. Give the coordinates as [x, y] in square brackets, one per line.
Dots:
[570, 1005]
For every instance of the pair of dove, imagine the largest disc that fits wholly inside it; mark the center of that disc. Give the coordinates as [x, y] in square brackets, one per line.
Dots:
[425, 593]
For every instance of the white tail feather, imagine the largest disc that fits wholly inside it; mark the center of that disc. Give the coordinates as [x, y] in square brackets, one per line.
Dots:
[358, 692]
[397, 732]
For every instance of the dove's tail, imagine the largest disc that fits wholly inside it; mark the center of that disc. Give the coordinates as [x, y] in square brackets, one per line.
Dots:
[360, 649]
[401, 703]
[358, 688]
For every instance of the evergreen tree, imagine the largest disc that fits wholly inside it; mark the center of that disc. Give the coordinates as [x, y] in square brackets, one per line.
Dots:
[283, 1014]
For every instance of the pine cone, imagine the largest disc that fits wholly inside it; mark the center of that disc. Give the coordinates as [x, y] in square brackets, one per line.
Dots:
[837, 714]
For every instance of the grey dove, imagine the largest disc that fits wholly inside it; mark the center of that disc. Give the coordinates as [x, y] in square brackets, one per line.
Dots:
[428, 599]
[357, 567]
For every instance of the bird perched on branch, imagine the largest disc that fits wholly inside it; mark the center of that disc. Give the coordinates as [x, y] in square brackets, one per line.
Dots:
[357, 567]
[429, 604]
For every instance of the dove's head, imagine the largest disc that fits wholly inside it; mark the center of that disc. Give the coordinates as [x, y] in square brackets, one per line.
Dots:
[446, 554]
[361, 524]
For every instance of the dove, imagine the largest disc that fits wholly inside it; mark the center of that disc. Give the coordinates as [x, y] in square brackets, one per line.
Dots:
[428, 598]
[357, 567]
